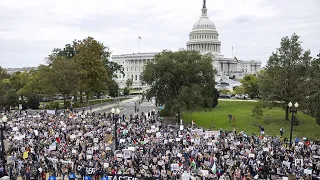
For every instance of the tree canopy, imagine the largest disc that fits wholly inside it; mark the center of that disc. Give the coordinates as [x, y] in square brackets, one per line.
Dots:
[284, 73]
[181, 80]
[250, 85]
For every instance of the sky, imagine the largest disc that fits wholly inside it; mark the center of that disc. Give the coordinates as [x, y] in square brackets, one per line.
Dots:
[30, 30]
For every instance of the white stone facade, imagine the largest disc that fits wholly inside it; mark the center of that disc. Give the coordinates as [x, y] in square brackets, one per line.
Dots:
[133, 65]
[204, 38]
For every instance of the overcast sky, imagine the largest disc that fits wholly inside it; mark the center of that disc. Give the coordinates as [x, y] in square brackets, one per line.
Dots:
[30, 29]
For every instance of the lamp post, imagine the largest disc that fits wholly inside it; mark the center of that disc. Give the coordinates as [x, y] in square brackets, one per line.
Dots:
[3, 127]
[117, 112]
[293, 110]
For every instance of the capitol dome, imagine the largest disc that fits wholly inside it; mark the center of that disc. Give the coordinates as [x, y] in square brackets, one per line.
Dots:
[204, 37]
[204, 23]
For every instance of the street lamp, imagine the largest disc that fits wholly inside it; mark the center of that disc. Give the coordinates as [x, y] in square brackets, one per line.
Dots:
[117, 112]
[3, 127]
[293, 110]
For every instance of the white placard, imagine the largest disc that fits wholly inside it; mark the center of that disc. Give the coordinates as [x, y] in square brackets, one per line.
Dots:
[251, 155]
[307, 171]
[15, 129]
[315, 156]
[178, 139]
[205, 173]
[174, 167]
[96, 140]
[131, 148]
[89, 156]
[181, 127]
[105, 165]
[210, 144]
[179, 155]
[266, 149]
[153, 127]
[158, 134]
[126, 153]
[122, 140]
[74, 151]
[89, 150]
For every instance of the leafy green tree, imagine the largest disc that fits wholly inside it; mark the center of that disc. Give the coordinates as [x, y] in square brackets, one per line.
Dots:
[113, 88]
[129, 83]
[239, 90]
[126, 91]
[92, 61]
[312, 90]
[63, 75]
[8, 97]
[286, 69]
[250, 85]
[37, 85]
[178, 80]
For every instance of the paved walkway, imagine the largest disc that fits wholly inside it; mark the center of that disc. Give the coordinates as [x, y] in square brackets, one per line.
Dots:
[103, 108]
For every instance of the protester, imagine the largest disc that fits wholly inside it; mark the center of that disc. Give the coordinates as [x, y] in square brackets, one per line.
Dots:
[48, 142]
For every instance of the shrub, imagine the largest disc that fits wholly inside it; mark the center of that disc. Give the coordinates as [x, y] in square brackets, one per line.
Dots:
[76, 104]
[67, 104]
[54, 105]
[126, 91]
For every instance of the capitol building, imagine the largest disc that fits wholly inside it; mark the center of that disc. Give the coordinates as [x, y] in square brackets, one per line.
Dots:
[204, 38]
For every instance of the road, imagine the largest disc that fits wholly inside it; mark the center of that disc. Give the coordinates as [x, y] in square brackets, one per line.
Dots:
[233, 99]
[127, 108]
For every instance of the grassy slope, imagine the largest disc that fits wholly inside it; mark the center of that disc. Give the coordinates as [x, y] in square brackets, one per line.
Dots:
[218, 117]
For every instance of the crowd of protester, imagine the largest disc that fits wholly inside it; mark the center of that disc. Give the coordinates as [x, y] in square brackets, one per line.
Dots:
[45, 144]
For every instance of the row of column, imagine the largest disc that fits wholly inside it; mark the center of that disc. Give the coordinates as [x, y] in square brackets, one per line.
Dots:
[228, 67]
[205, 47]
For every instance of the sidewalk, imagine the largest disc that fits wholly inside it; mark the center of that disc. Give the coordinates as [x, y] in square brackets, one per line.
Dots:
[103, 108]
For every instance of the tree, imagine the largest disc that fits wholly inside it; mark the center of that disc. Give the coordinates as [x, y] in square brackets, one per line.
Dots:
[3, 74]
[126, 91]
[63, 75]
[313, 94]
[285, 70]
[91, 58]
[129, 83]
[257, 111]
[250, 85]
[113, 88]
[37, 85]
[178, 80]
[239, 90]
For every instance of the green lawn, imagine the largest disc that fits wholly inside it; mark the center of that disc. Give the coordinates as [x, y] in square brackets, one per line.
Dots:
[241, 110]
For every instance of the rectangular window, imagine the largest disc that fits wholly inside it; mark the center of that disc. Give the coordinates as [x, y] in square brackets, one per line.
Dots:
[136, 77]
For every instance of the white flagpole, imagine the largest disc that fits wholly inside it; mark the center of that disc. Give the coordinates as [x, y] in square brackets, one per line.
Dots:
[138, 44]
[232, 52]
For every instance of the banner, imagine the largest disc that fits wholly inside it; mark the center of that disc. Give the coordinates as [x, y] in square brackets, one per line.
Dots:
[129, 177]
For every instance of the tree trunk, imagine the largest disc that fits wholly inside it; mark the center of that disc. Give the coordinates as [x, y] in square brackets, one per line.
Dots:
[81, 97]
[287, 113]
